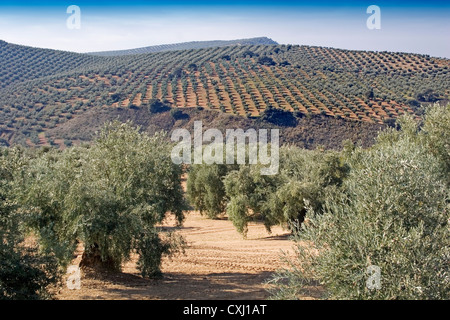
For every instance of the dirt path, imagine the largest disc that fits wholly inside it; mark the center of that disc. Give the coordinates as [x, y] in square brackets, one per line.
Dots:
[218, 264]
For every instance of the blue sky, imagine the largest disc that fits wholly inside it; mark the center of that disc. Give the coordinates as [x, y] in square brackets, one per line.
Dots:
[407, 26]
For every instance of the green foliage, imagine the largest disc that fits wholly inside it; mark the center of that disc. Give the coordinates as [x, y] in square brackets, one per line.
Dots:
[427, 96]
[308, 177]
[205, 188]
[436, 133]
[25, 272]
[110, 197]
[115, 97]
[278, 117]
[193, 67]
[268, 61]
[157, 106]
[413, 103]
[189, 46]
[392, 212]
[178, 114]
[248, 192]
[370, 94]
[61, 86]
[305, 177]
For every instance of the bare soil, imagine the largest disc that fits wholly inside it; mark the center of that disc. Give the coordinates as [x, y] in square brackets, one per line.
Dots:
[218, 264]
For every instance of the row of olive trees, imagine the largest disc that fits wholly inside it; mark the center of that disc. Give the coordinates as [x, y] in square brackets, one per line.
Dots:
[386, 207]
[110, 196]
[245, 195]
[95, 81]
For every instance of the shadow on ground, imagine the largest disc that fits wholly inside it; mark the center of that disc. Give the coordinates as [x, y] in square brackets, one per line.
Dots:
[174, 286]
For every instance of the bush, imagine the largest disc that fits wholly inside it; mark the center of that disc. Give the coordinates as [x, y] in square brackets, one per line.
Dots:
[428, 95]
[193, 67]
[157, 106]
[278, 117]
[413, 103]
[115, 97]
[25, 273]
[370, 94]
[178, 114]
[68, 143]
[393, 213]
[266, 61]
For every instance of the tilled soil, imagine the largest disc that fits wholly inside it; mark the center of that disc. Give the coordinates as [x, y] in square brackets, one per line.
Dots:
[218, 264]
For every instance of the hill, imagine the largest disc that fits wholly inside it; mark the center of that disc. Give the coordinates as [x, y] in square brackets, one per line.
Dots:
[44, 92]
[308, 132]
[188, 46]
[20, 63]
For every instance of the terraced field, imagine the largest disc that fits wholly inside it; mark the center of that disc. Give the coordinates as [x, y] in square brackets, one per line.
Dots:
[43, 89]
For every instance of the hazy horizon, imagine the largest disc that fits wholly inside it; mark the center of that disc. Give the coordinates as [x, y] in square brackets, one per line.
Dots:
[412, 26]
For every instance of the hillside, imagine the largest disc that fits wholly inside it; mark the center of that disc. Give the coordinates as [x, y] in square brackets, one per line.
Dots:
[44, 92]
[188, 46]
[308, 132]
[21, 63]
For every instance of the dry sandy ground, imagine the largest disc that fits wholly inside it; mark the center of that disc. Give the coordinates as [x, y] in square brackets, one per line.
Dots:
[218, 264]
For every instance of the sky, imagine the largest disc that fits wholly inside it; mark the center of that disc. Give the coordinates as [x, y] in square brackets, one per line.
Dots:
[405, 26]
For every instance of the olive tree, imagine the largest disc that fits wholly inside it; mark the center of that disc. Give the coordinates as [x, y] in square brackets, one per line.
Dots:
[205, 189]
[305, 176]
[392, 214]
[249, 192]
[436, 135]
[25, 271]
[110, 196]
